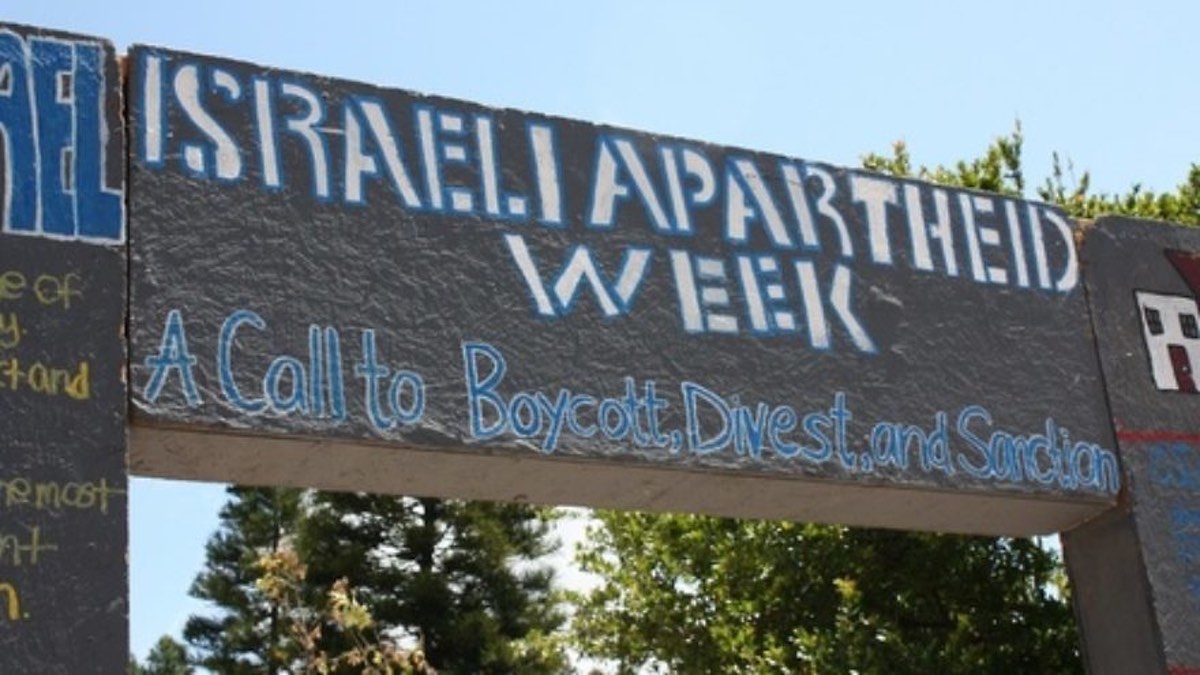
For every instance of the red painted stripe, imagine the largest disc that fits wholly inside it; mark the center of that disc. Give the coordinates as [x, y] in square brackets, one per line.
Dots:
[1152, 436]
[1183, 670]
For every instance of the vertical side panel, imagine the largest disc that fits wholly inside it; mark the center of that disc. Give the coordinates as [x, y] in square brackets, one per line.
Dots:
[63, 507]
[1136, 571]
[1112, 597]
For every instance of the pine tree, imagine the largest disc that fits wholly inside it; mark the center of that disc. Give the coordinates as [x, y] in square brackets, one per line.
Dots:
[167, 657]
[247, 636]
[459, 580]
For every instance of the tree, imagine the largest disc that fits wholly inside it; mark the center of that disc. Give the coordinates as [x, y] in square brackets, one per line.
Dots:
[248, 636]
[461, 580]
[167, 657]
[366, 652]
[999, 170]
[694, 594]
[460, 583]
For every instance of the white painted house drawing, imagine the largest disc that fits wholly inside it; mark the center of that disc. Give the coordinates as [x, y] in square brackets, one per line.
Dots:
[1171, 327]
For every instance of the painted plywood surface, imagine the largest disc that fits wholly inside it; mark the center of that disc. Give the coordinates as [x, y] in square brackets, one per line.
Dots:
[1143, 279]
[335, 263]
[63, 578]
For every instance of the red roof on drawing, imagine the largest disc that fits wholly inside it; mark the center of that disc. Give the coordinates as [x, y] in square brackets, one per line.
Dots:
[1188, 265]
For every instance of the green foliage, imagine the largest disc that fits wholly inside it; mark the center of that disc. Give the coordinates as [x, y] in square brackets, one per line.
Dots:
[459, 578]
[1181, 206]
[366, 652]
[999, 170]
[922, 603]
[697, 594]
[461, 581]
[247, 636]
[167, 657]
[692, 594]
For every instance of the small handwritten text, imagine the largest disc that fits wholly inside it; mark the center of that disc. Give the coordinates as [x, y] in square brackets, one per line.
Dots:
[55, 495]
[12, 602]
[72, 381]
[969, 442]
[51, 290]
[24, 548]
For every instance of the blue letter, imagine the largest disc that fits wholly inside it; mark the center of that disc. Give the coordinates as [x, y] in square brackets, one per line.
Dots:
[480, 392]
[372, 373]
[225, 370]
[964, 418]
[691, 394]
[841, 416]
[406, 379]
[172, 354]
[272, 389]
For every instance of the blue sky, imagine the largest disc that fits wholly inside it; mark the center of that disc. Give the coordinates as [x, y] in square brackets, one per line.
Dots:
[1110, 85]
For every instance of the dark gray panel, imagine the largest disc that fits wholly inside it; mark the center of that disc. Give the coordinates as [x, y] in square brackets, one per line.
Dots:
[1142, 279]
[284, 210]
[63, 542]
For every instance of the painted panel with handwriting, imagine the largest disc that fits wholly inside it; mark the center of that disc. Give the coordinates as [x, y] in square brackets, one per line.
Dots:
[335, 260]
[1143, 279]
[63, 542]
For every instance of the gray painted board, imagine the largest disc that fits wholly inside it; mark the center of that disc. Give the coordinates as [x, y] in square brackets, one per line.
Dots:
[335, 263]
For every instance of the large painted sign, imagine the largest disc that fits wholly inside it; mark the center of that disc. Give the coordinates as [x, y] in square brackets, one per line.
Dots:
[367, 288]
[63, 550]
[1144, 279]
